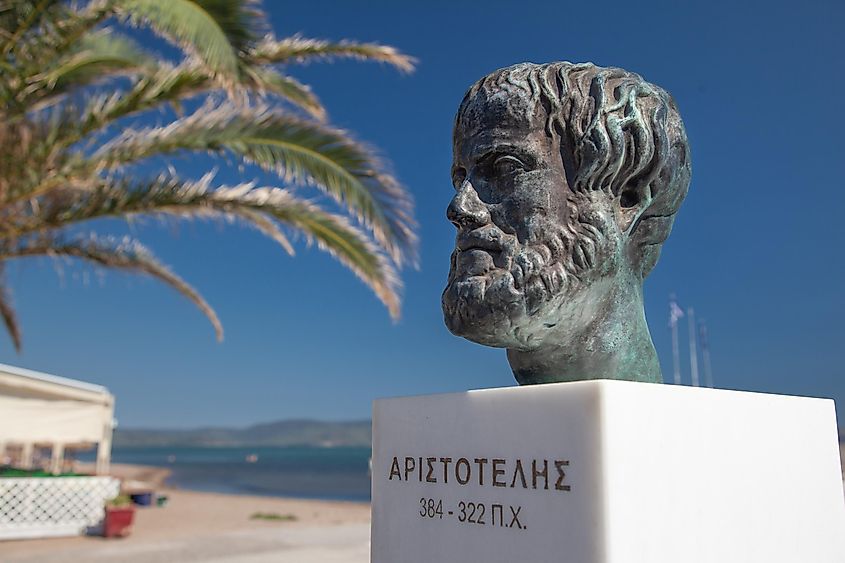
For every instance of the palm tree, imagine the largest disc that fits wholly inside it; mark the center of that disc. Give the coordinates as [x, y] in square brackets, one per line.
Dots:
[74, 92]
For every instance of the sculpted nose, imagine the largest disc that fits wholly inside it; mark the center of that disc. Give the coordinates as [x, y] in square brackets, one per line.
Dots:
[466, 210]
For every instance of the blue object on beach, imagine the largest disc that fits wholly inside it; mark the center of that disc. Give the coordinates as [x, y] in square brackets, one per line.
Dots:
[142, 499]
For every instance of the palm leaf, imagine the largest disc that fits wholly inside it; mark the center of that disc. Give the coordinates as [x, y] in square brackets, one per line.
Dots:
[211, 30]
[61, 28]
[20, 16]
[332, 233]
[240, 20]
[7, 312]
[300, 151]
[265, 225]
[29, 157]
[99, 56]
[165, 85]
[68, 29]
[53, 178]
[173, 85]
[298, 49]
[119, 254]
[269, 81]
[259, 207]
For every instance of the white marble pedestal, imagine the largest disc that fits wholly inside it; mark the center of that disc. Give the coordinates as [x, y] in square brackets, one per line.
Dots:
[606, 472]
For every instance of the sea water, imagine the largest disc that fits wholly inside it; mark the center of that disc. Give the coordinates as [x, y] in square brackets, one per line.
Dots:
[335, 473]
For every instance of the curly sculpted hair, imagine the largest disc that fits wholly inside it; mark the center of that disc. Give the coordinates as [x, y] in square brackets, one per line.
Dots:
[617, 133]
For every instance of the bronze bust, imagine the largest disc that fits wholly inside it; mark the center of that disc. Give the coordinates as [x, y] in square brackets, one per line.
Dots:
[567, 180]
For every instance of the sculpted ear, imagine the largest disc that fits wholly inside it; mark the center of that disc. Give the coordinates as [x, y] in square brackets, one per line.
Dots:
[630, 204]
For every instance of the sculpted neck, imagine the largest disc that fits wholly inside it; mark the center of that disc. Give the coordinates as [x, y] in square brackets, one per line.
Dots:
[615, 344]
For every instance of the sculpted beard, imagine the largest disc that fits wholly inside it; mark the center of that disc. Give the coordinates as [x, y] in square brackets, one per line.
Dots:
[522, 278]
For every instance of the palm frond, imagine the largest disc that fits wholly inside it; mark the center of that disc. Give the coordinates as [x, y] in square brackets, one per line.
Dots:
[97, 57]
[53, 178]
[332, 233]
[118, 254]
[259, 207]
[299, 49]
[299, 151]
[268, 81]
[20, 16]
[68, 28]
[265, 226]
[60, 29]
[240, 20]
[165, 85]
[71, 203]
[171, 85]
[7, 312]
[29, 157]
[212, 30]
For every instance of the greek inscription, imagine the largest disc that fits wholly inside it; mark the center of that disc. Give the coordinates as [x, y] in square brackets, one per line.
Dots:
[481, 462]
[409, 466]
[429, 477]
[445, 461]
[497, 472]
[394, 469]
[561, 475]
[519, 472]
[470, 512]
[544, 474]
[497, 510]
[515, 518]
[463, 462]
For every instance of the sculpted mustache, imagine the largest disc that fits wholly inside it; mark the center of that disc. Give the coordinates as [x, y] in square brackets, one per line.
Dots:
[564, 254]
[529, 274]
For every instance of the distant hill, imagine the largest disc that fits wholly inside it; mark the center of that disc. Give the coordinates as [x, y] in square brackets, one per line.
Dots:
[281, 433]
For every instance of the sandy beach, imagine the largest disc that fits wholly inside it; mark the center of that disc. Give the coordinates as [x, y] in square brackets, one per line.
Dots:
[196, 526]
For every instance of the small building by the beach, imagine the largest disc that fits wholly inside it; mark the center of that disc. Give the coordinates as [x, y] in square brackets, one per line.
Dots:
[46, 413]
[38, 410]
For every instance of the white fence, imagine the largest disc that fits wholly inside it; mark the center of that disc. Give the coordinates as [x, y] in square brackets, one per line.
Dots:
[34, 507]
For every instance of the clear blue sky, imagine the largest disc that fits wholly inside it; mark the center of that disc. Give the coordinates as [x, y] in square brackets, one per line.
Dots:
[757, 248]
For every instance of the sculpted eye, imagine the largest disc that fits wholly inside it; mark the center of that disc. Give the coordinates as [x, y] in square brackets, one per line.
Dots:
[506, 165]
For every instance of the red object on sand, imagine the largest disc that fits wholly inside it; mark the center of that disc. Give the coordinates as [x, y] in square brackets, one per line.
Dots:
[118, 521]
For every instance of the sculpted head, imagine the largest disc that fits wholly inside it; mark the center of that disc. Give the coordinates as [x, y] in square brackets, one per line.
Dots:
[567, 180]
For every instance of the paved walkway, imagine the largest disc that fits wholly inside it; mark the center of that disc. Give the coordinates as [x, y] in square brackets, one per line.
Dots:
[345, 543]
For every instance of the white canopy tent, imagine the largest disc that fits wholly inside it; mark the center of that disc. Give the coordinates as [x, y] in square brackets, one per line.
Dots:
[37, 409]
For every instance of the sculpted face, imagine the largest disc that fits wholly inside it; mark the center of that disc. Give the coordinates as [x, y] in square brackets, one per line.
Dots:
[527, 246]
[567, 180]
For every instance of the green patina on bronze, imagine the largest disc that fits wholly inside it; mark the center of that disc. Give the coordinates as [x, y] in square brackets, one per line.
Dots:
[568, 178]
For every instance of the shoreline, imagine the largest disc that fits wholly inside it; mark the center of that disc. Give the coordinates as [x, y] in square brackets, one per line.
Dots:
[220, 527]
[302, 472]
[153, 475]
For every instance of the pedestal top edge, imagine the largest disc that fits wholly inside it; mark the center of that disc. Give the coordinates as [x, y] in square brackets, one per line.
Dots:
[601, 386]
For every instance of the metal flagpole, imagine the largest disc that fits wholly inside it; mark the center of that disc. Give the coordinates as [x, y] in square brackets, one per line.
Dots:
[693, 352]
[675, 313]
[705, 353]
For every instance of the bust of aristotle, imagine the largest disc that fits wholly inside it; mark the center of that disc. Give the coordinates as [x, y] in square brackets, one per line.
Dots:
[567, 180]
